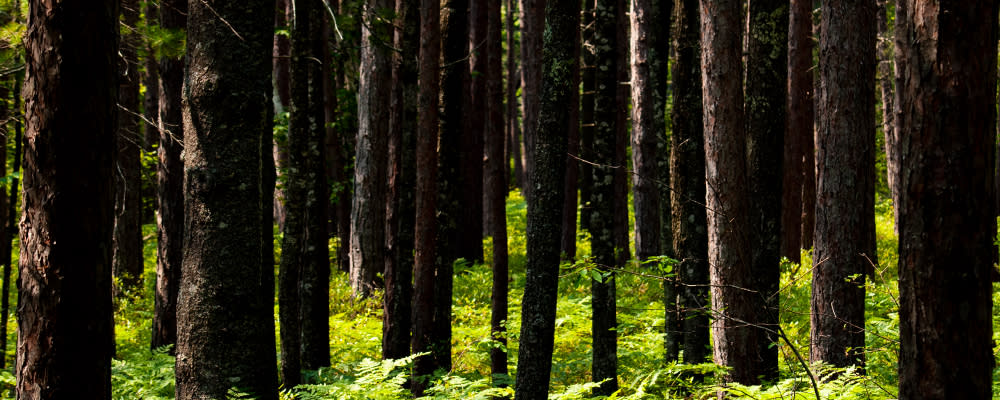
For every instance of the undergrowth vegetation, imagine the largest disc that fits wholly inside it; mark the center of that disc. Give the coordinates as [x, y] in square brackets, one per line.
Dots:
[355, 337]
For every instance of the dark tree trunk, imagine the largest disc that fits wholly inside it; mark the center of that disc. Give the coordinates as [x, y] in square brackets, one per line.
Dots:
[544, 226]
[402, 179]
[425, 230]
[170, 185]
[370, 162]
[512, 145]
[126, 258]
[727, 196]
[603, 199]
[589, 87]
[12, 227]
[766, 91]
[799, 128]
[227, 122]
[845, 171]
[885, 72]
[151, 80]
[809, 149]
[339, 144]
[496, 189]
[281, 65]
[687, 178]
[64, 313]
[471, 195]
[568, 244]
[532, 24]
[946, 58]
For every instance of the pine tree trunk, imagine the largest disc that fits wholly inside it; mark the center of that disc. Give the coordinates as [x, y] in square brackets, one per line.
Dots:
[946, 59]
[687, 177]
[512, 145]
[471, 195]
[227, 111]
[569, 222]
[64, 314]
[883, 49]
[809, 149]
[545, 210]
[170, 185]
[126, 258]
[845, 172]
[151, 80]
[799, 128]
[532, 25]
[588, 86]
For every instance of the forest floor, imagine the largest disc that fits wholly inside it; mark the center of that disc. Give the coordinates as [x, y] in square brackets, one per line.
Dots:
[355, 336]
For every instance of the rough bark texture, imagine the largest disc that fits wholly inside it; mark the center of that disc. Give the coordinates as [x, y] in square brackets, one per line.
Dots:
[64, 320]
[170, 185]
[496, 189]
[687, 178]
[368, 210]
[126, 259]
[454, 76]
[569, 221]
[886, 67]
[809, 154]
[799, 128]
[402, 179]
[602, 222]
[228, 186]
[727, 196]
[532, 25]
[845, 172]
[425, 230]
[766, 91]
[946, 58]
[544, 227]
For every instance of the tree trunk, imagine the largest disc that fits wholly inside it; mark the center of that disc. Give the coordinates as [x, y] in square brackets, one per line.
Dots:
[126, 258]
[809, 149]
[534, 362]
[402, 179]
[368, 211]
[845, 171]
[587, 123]
[687, 178]
[471, 195]
[513, 146]
[532, 24]
[281, 64]
[170, 185]
[766, 91]
[946, 58]
[425, 230]
[727, 196]
[227, 122]
[799, 128]
[64, 314]
[496, 190]
[151, 80]
[883, 50]
[568, 244]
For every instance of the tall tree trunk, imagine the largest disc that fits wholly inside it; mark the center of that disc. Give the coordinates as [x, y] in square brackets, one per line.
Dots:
[170, 185]
[532, 24]
[513, 146]
[568, 243]
[368, 211]
[603, 220]
[845, 171]
[281, 64]
[766, 91]
[425, 230]
[339, 144]
[883, 50]
[946, 59]
[64, 314]
[799, 128]
[587, 123]
[471, 197]
[11, 222]
[727, 196]
[649, 20]
[402, 179]
[534, 361]
[151, 80]
[126, 258]
[809, 150]
[496, 189]
[687, 178]
[227, 111]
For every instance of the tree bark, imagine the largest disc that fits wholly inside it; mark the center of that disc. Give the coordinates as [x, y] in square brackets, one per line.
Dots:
[513, 146]
[727, 196]
[170, 185]
[471, 195]
[946, 58]
[368, 210]
[402, 179]
[227, 122]
[126, 258]
[496, 190]
[809, 152]
[845, 171]
[151, 80]
[587, 123]
[64, 314]
[532, 24]
[544, 227]
[569, 222]
[799, 129]
[884, 49]
[766, 91]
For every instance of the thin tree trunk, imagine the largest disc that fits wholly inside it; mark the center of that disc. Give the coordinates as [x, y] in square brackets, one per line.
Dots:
[151, 80]
[544, 212]
[799, 129]
[845, 171]
[64, 317]
[228, 257]
[587, 123]
[884, 49]
[568, 244]
[281, 64]
[471, 195]
[126, 258]
[170, 185]
[496, 190]
[513, 146]
[532, 24]
[946, 221]
[809, 151]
